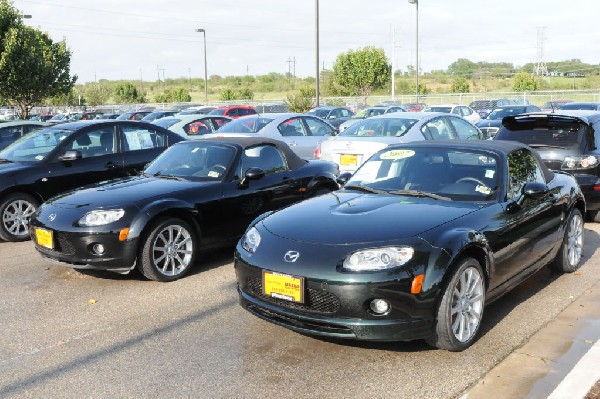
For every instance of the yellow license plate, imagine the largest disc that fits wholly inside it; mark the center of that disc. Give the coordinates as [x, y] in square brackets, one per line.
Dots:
[44, 238]
[348, 159]
[283, 286]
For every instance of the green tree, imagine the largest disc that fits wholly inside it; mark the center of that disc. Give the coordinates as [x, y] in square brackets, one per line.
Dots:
[10, 18]
[127, 93]
[180, 95]
[33, 68]
[97, 94]
[362, 71]
[463, 68]
[460, 85]
[227, 95]
[524, 81]
[302, 101]
[245, 94]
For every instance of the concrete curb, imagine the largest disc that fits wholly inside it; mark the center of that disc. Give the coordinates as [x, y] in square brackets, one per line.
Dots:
[582, 378]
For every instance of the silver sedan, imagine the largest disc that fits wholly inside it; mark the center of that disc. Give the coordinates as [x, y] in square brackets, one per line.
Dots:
[192, 126]
[301, 132]
[356, 144]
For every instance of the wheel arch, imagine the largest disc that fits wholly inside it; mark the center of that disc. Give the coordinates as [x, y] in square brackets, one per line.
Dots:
[162, 209]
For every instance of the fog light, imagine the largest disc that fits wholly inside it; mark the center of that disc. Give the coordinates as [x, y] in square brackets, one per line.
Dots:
[380, 306]
[98, 248]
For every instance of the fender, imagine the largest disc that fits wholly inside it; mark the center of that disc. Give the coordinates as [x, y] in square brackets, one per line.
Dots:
[149, 212]
[325, 179]
[452, 245]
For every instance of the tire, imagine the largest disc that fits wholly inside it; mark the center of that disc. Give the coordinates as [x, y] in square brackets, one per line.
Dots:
[460, 311]
[569, 255]
[168, 251]
[15, 211]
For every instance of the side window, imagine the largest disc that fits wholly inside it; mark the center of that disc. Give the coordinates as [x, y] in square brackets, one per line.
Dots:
[292, 127]
[456, 111]
[95, 142]
[522, 168]
[464, 130]
[139, 138]
[345, 112]
[197, 128]
[318, 128]
[218, 122]
[266, 157]
[233, 112]
[438, 129]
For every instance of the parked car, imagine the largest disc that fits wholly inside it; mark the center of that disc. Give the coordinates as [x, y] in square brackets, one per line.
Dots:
[84, 116]
[357, 143]
[158, 114]
[567, 141]
[196, 111]
[484, 107]
[66, 156]
[369, 112]
[193, 125]
[414, 107]
[460, 110]
[233, 111]
[300, 131]
[109, 116]
[335, 116]
[581, 106]
[133, 115]
[11, 131]
[197, 195]
[554, 105]
[59, 118]
[40, 117]
[419, 240]
[490, 125]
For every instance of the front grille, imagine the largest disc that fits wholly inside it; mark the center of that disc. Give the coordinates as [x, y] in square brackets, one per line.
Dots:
[63, 245]
[315, 301]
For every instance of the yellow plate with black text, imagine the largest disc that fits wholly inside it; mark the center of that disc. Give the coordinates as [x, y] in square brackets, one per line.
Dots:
[44, 238]
[348, 159]
[283, 286]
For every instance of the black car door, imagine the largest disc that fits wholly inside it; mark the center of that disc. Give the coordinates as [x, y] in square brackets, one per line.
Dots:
[530, 225]
[244, 201]
[140, 144]
[100, 160]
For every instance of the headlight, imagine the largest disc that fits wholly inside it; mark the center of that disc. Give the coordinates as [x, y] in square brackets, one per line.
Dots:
[251, 240]
[378, 259]
[99, 218]
[579, 162]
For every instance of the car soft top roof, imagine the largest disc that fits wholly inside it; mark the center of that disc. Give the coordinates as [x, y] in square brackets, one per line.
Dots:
[293, 160]
[500, 147]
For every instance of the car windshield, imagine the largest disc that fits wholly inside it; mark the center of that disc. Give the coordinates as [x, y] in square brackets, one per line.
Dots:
[440, 173]
[35, 146]
[217, 112]
[382, 127]
[440, 109]
[166, 122]
[482, 104]
[500, 113]
[321, 113]
[249, 124]
[197, 161]
[544, 132]
[585, 107]
[125, 116]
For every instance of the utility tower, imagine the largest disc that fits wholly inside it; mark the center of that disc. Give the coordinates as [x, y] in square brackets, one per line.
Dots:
[541, 69]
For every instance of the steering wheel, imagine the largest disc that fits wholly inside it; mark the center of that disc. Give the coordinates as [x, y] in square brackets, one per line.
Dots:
[472, 180]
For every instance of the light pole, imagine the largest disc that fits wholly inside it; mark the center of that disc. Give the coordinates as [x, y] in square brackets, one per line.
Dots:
[205, 69]
[317, 51]
[416, 3]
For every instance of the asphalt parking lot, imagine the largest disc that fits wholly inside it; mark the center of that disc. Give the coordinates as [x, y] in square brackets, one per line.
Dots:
[69, 334]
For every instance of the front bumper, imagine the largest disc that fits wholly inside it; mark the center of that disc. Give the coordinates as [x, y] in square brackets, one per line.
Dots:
[340, 309]
[77, 250]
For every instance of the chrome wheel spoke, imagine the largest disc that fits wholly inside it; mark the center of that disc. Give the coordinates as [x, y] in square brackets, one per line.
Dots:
[175, 246]
[467, 304]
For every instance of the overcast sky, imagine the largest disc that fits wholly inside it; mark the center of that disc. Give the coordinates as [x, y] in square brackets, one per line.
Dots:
[126, 39]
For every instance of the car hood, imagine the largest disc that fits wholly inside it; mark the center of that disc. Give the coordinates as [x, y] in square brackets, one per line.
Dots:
[124, 192]
[347, 217]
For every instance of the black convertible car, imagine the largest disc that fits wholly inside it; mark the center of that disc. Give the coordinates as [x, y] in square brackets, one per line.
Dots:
[62, 157]
[197, 195]
[414, 246]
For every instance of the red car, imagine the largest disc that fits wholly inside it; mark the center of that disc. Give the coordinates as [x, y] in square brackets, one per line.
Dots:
[234, 111]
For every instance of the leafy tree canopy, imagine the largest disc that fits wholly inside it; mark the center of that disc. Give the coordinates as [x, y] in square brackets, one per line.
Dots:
[127, 93]
[362, 71]
[524, 81]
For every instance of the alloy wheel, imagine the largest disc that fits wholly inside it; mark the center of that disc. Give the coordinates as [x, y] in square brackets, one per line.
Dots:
[15, 218]
[575, 240]
[172, 250]
[467, 304]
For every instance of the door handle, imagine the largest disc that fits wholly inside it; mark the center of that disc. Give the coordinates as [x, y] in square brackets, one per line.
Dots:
[110, 165]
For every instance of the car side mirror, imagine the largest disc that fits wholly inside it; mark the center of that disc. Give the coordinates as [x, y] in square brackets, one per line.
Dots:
[343, 178]
[252, 174]
[533, 190]
[71, 155]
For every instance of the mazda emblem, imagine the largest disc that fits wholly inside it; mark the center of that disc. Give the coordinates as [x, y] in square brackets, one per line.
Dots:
[52, 217]
[291, 256]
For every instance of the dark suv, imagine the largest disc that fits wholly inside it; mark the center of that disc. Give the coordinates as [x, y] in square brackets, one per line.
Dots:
[566, 142]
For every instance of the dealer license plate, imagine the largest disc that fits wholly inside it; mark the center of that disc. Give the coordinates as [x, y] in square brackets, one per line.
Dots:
[44, 238]
[348, 159]
[283, 286]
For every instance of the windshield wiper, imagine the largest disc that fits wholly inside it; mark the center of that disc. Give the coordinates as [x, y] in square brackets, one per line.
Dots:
[417, 193]
[364, 188]
[159, 174]
[546, 146]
